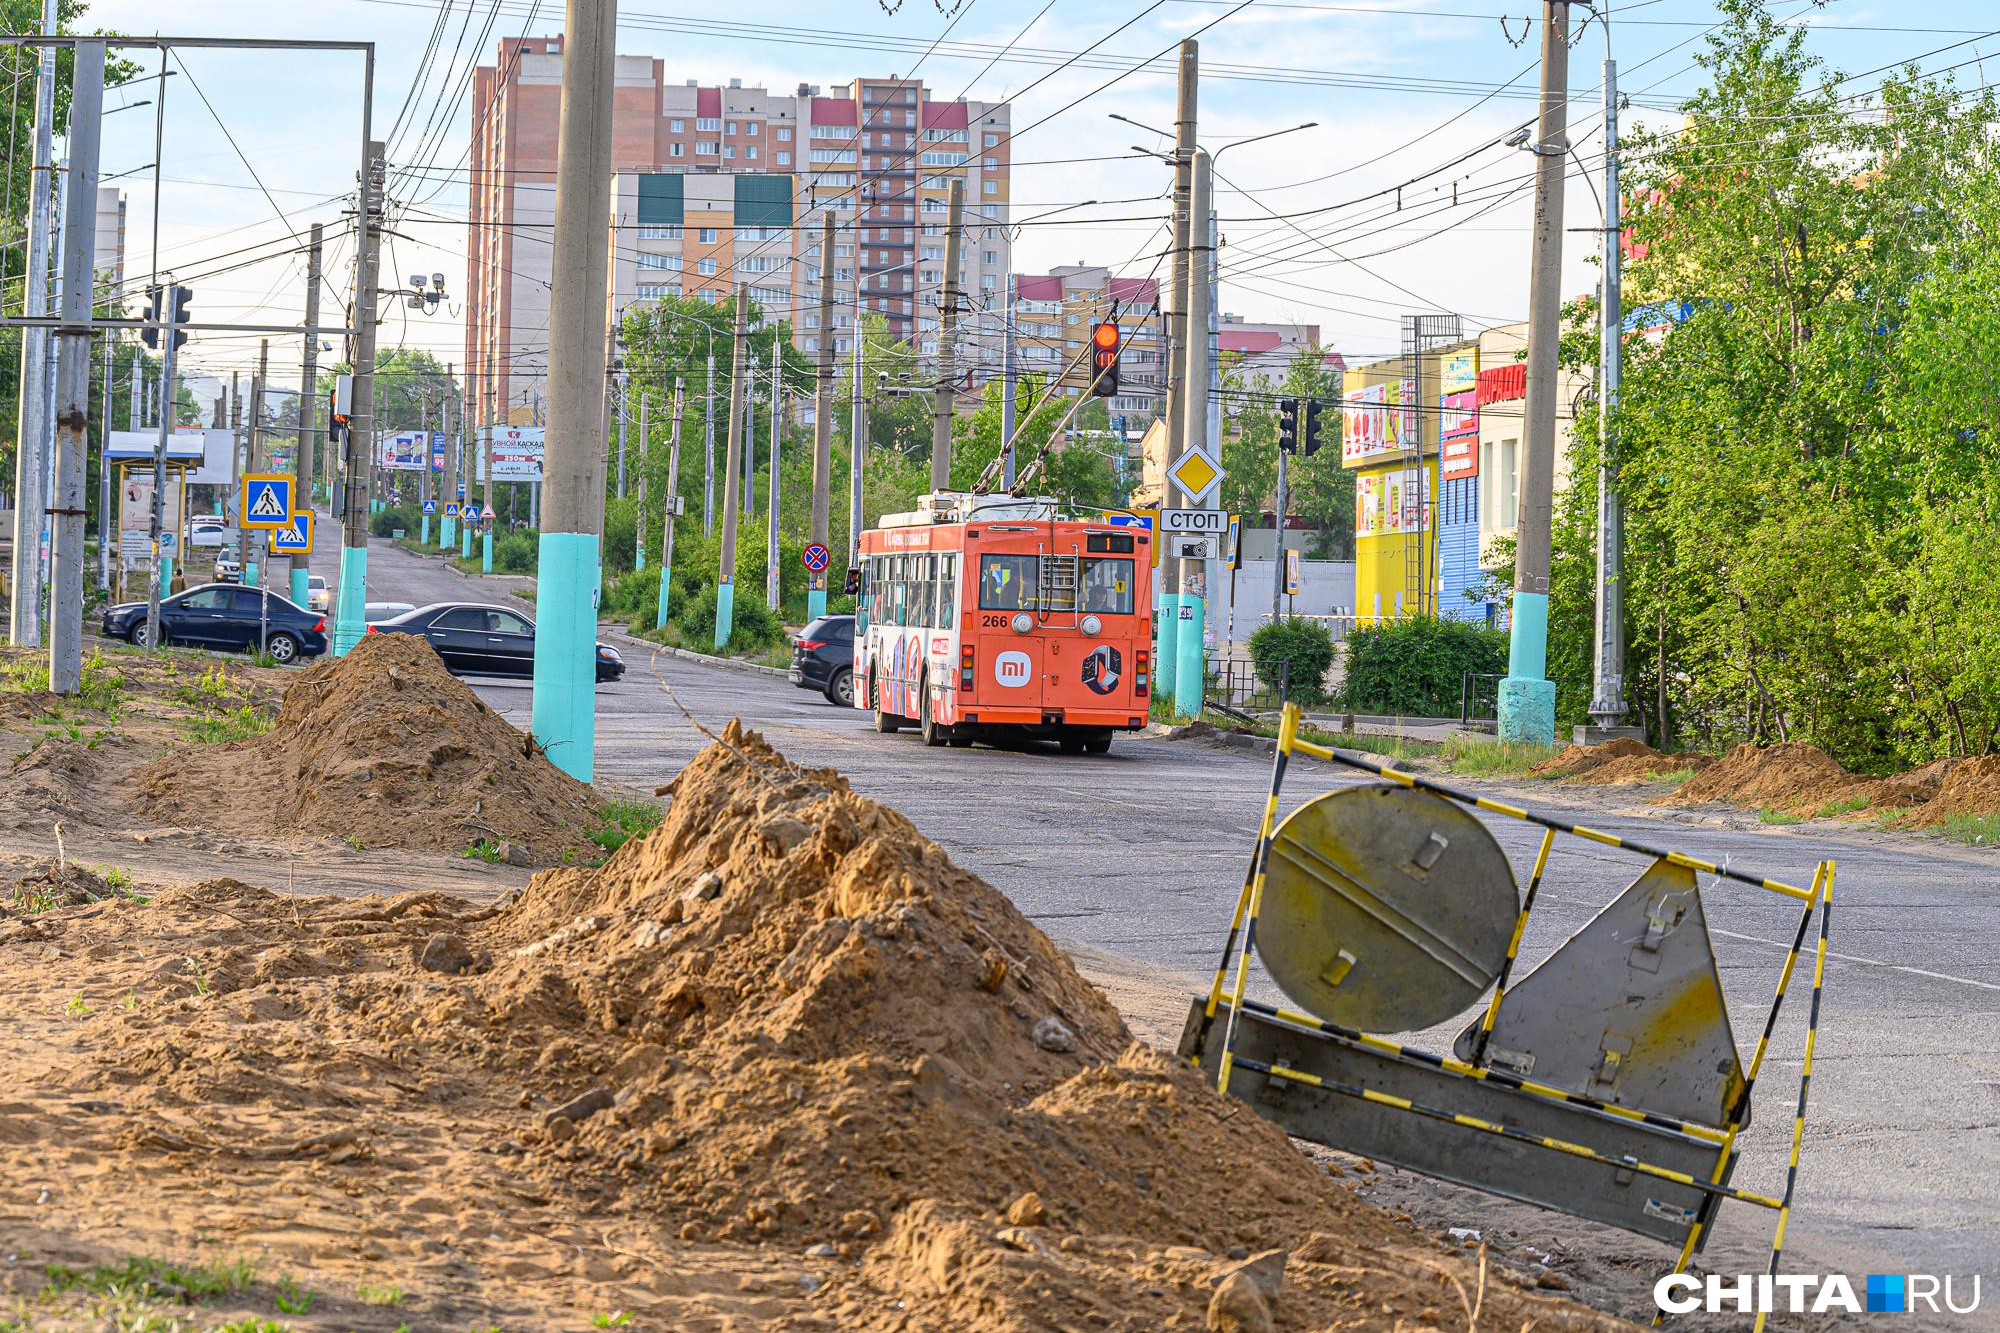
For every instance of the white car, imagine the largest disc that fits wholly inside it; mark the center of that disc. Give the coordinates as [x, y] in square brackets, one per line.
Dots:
[318, 596]
[227, 570]
[207, 534]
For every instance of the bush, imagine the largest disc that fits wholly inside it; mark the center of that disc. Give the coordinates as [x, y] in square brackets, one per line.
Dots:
[1416, 667]
[517, 552]
[752, 627]
[634, 598]
[385, 521]
[1296, 652]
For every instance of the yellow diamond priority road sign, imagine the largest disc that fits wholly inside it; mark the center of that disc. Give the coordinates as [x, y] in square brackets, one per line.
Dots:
[1196, 474]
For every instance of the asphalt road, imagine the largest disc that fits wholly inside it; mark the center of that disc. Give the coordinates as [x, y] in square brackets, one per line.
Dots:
[1138, 854]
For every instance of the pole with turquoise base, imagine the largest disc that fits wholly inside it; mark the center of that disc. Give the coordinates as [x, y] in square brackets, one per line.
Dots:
[1166, 648]
[424, 532]
[350, 621]
[639, 507]
[465, 541]
[725, 580]
[350, 613]
[564, 716]
[671, 507]
[301, 590]
[1188, 666]
[823, 423]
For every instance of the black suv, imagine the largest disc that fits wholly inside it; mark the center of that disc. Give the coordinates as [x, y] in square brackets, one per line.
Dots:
[823, 659]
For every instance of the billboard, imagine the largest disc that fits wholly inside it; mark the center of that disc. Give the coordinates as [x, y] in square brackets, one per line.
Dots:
[517, 453]
[1458, 437]
[404, 451]
[1385, 503]
[1377, 421]
[1459, 371]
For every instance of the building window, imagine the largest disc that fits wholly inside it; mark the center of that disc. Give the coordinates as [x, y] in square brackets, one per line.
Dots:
[659, 231]
[933, 252]
[812, 344]
[728, 150]
[670, 262]
[705, 267]
[707, 125]
[707, 146]
[732, 128]
[760, 233]
[989, 187]
[784, 159]
[653, 291]
[677, 126]
[944, 136]
[772, 298]
[944, 159]
[750, 151]
[762, 263]
[676, 150]
[843, 156]
[988, 282]
[706, 235]
[753, 127]
[784, 134]
[992, 141]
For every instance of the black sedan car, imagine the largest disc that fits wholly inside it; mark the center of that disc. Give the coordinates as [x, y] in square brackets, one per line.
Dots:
[823, 659]
[476, 639]
[225, 615]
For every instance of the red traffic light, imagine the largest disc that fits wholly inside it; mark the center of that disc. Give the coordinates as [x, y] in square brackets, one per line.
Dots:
[1106, 337]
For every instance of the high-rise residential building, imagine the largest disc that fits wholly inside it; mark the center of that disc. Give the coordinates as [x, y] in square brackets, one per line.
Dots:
[876, 154]
[1054, 314]
[1262, 353]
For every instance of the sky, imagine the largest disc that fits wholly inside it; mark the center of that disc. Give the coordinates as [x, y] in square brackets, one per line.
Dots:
[260, 144]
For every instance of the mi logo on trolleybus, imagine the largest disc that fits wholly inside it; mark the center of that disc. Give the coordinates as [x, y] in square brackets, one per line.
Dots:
[1012, 668]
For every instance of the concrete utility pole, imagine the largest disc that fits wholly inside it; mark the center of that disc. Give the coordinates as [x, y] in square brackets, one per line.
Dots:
[350, 616]
[771, 526]
[163, 564]
[486, 468]
[1607, 700]
[72, 442]
[950, 297]
[725, 574]
[238, 465]
[857, 442]
[31, 458]
[1008, 375]
[1278, 551]
[425, 487]
[107, 521]
[708, 446]
[253, 438]
[639, 509]
[572, 508]
[469, 516]
[1167, 660]
[1527, 698]
[673, 500]
[822, 422]
[1190, 637]
[304, 462]
[624, 405]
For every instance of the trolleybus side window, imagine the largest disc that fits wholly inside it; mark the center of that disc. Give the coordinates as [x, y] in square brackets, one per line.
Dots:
[1107, 586]
[947, 599]
[1007, 582]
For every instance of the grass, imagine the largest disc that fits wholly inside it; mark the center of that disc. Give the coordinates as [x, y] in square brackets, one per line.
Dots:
[624, 821]
[1973, 830]
[616, 1319]
[369, 1293]
[117, 877]
[236, 724]
[1846, 806]
[1481, 757]
[101, 688]
[1676, 776]
[146, 1276]
[486, 849]
[291, 1298]
[1770, 814]
[211, 689]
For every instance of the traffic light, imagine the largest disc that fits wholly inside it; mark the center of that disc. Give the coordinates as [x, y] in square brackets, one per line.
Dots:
[183, 312]
[1288, 425]
[150, 335]
[1312, 425]
[1104, 360]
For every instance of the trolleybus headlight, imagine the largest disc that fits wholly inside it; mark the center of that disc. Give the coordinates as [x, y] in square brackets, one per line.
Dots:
[1090, 625]
[1023, 622]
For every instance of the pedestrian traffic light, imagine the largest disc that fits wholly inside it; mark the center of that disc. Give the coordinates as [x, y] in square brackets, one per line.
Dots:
[1288, 425]
[150, 335]
[1104, 360]
[1312, 426]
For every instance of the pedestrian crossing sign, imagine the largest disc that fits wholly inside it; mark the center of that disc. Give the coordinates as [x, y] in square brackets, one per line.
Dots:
[267, 501]
[451, 509]
[295, 538]
[430, 506]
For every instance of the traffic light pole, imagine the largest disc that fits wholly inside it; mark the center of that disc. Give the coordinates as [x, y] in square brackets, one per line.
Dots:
[1190, 642]
[672, 502]
[572, 509]
[72, 440]
[303, 461]
[822, 423]
[350, 615]
[1166, 662]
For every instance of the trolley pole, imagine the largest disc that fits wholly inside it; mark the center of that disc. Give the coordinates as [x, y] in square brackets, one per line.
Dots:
[725, 573]
[673, 500]
[72, 441]
[1166, 662]
[822, 421]
[949, 300]
[305, 460]
[771, 530]
[350, 616]
[1527, 697]
[572, 507]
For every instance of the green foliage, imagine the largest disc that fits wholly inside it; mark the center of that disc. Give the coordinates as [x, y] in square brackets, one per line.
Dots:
[371, 1293]
[233, 724]
[752, 626]
[1416, 667]
[291, 1298]
[155, 1277]
[1809, 459]
[517, 552]
[385, 522]
[1974, 830]
[486, 849]
[1296, 652]
[625, 820]
[1772, 815]
[1483, 757]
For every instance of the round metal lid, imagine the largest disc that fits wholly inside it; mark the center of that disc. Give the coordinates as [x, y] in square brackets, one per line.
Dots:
[1385, 909]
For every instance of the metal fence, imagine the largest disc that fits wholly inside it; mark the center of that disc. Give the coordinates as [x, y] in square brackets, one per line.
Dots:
[1479, 699]
[1234, 685]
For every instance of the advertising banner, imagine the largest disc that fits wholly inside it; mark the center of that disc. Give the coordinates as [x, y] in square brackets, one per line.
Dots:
[517, 453]
[1459, 435]
[1377, 421]
[135, 517]
[401, 452]
[1385, 503]
[1459, 371]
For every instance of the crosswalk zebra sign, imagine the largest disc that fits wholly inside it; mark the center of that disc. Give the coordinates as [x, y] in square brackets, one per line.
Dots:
[267, 501]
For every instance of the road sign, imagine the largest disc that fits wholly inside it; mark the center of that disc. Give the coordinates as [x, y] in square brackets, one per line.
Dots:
[1291, 573]
[486, 512]
[816, 558]
[267, 500]
[451, 509]
[1232, 545]
[296, 538]
[1197, 474]
[1212, 521]
[1190, 546]
[430, 506]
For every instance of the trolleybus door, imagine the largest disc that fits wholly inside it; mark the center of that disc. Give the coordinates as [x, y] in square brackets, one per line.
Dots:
[1008, 669]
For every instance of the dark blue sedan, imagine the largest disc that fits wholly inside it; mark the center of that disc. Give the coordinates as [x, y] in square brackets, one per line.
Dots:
[226, 616]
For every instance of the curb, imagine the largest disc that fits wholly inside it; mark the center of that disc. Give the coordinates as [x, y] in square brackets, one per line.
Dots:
[702, 659]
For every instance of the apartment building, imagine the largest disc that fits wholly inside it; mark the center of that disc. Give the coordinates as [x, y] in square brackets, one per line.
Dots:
[1262, 353]
[878, 155]
[1054, 314]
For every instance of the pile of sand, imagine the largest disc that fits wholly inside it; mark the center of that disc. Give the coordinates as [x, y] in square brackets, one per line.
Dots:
[1945, 789]
[386, 747]
[1616, 763]
[784, 1021]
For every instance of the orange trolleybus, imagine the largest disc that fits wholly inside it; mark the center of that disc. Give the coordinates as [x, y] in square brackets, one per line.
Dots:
[984, 616]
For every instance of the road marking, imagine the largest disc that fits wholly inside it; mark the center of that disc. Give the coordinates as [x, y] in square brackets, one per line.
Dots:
[1868, 962]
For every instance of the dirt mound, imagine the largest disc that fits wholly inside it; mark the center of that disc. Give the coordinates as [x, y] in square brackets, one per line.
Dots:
[1784, 777]
[57, 884]
[60, 781]
[1616, 763]
[386, 747]
[782, 1023]
[1945, 789]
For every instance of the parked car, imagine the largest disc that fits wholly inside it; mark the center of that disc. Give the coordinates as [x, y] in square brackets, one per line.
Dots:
[476, 639]
[202, 535]
[227, 570]
[374, 613]
[318, 596]
[226, 616]
[823, 659]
